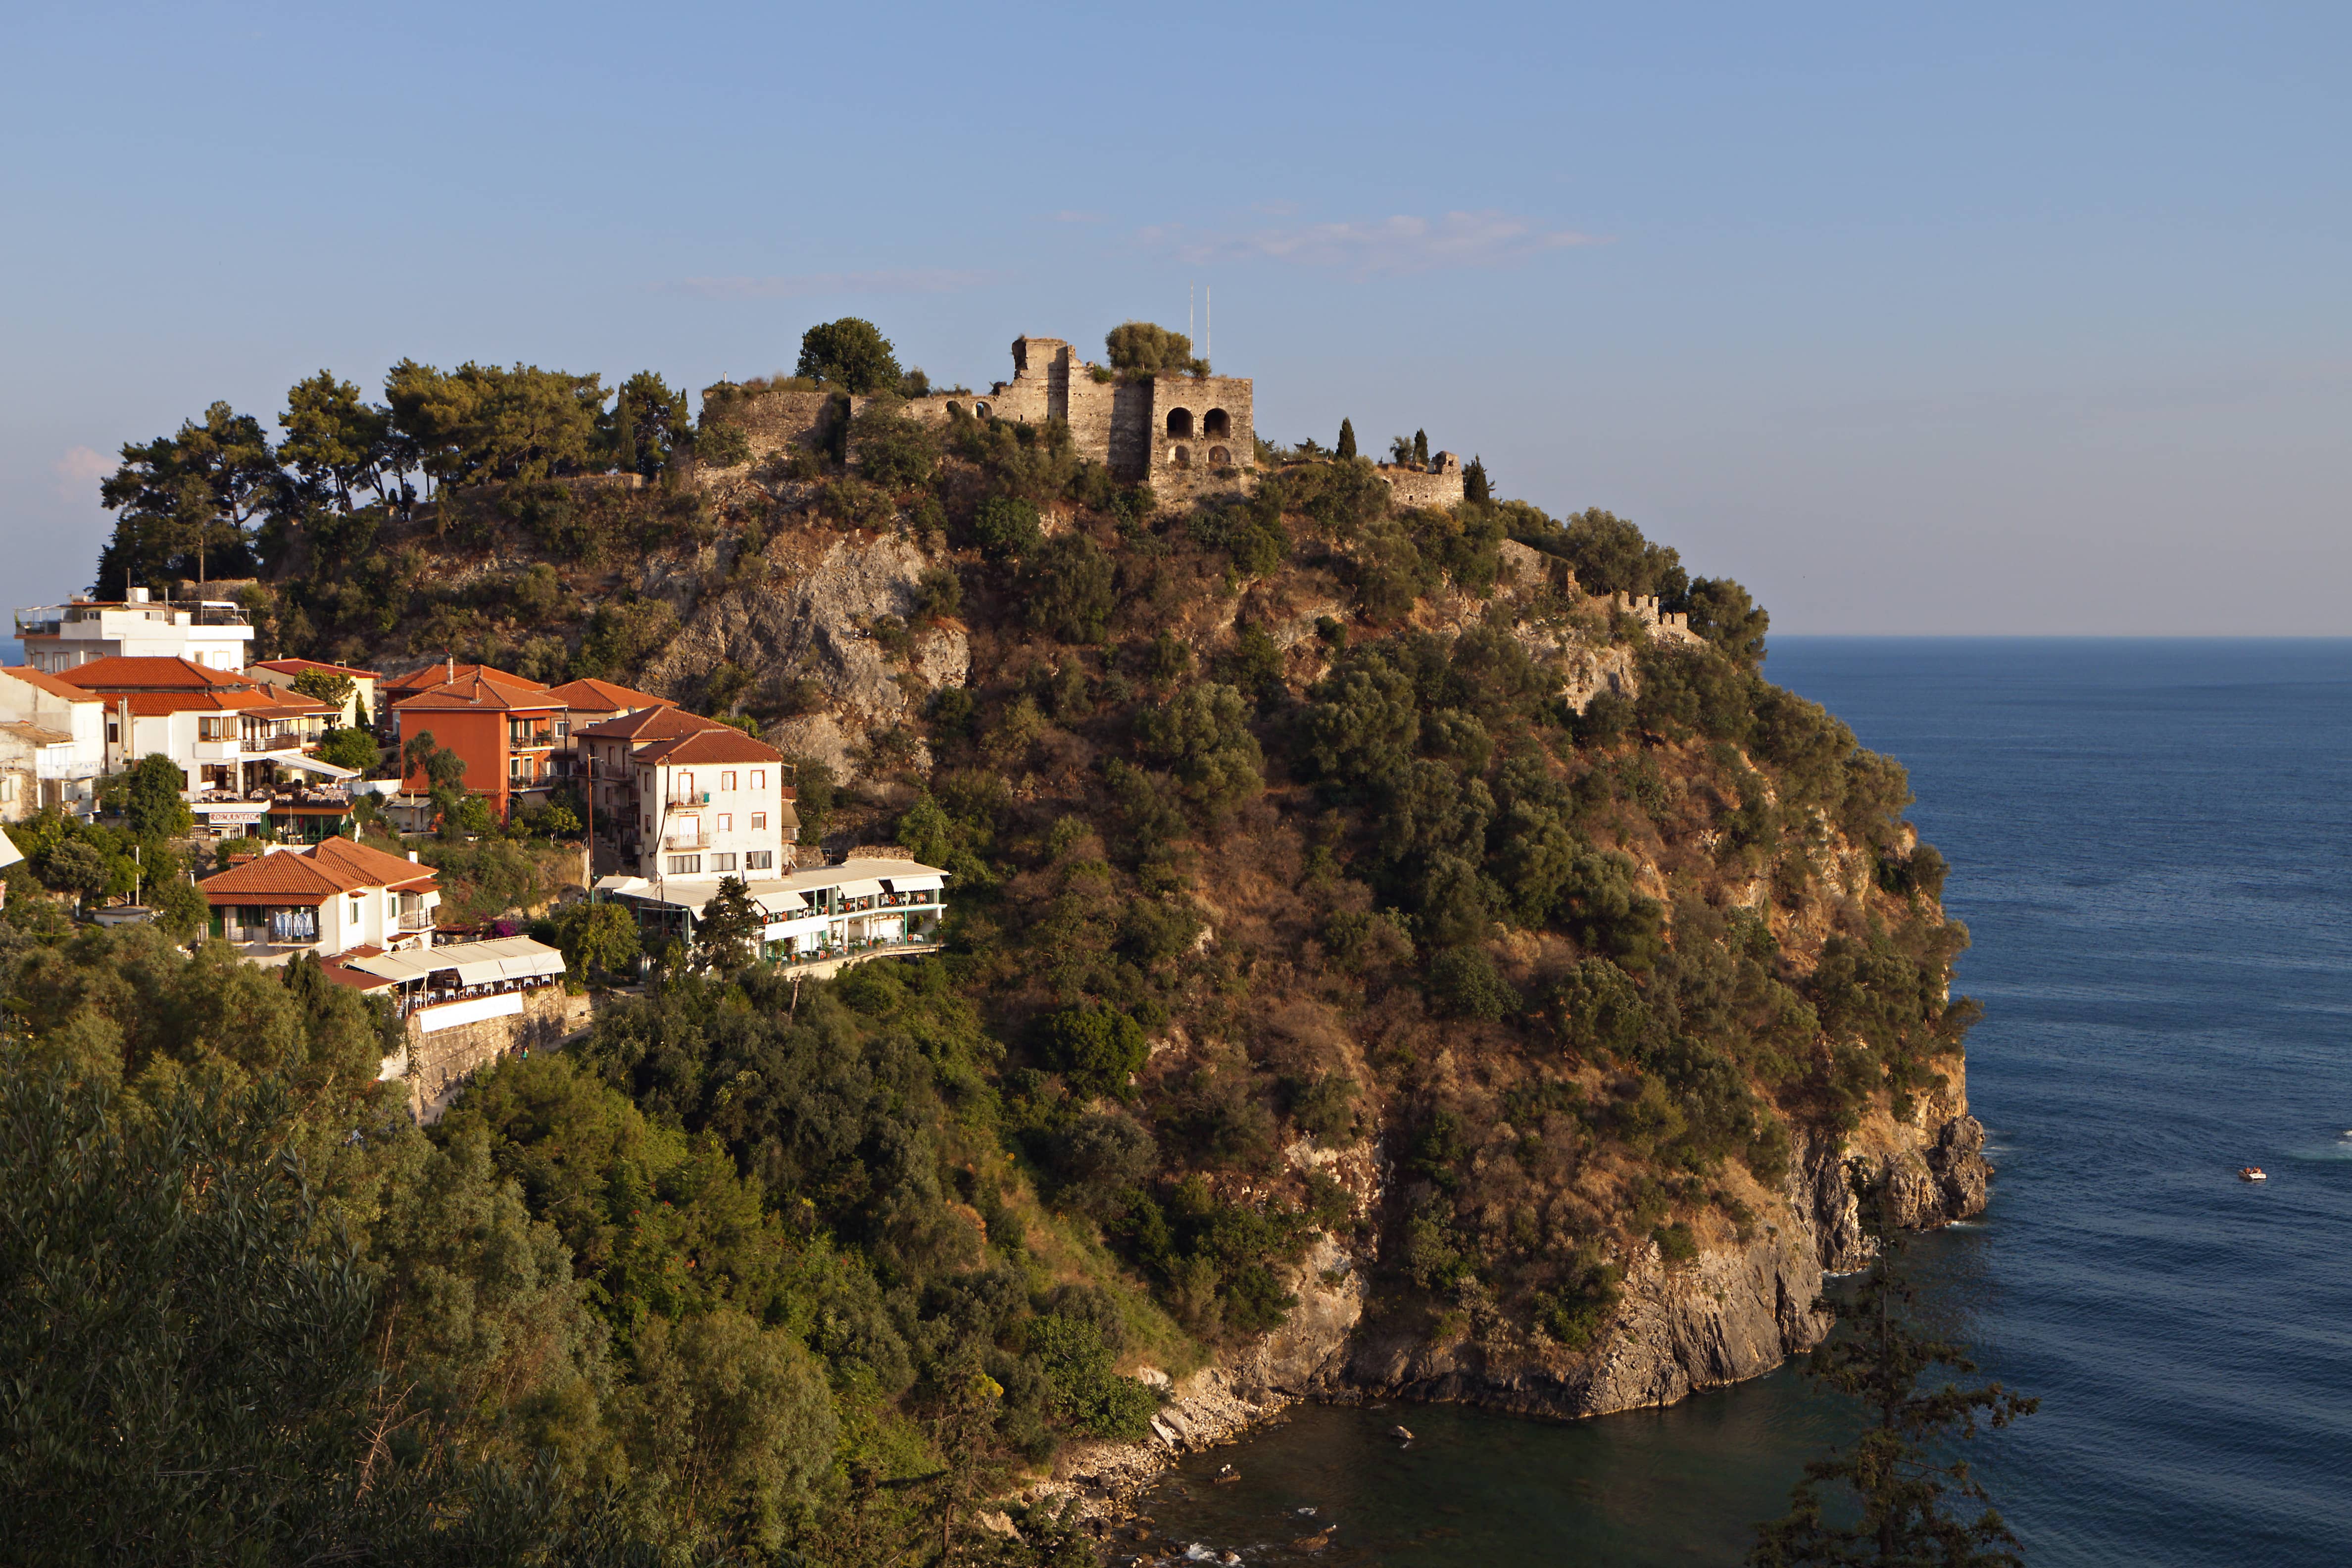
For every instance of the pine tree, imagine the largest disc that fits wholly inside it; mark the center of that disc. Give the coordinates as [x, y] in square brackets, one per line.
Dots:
[1891, 1469]
[1347, 448]
[1421, 447]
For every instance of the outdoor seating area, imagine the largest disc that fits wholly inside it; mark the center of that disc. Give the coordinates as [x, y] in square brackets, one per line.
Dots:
[464, 972]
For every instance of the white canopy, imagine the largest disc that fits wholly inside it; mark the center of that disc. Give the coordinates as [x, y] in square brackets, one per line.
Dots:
[313, 765]
[475, 962]
[929, 883]
[863, 889]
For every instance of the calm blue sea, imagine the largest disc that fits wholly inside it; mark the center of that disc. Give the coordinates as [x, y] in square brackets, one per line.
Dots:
[2151, 844]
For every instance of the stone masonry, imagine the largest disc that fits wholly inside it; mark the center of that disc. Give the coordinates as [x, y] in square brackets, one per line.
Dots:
[1184, 435]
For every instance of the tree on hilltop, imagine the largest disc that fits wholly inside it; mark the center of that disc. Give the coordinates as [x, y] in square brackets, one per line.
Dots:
[1347, 446]
[184, 502]
[1142, 348]
[850, 353]
[649, 422]
[1891, 1469]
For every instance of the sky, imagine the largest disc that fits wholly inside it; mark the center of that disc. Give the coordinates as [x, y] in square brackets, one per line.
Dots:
[1990, 319]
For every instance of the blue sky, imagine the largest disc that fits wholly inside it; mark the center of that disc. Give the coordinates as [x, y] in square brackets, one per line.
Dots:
[1988, 319]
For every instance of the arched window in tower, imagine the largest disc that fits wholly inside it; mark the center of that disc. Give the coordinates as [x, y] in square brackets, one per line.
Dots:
[1182, 456]
[1219, 458]
[1215, 425]
[1180, 423]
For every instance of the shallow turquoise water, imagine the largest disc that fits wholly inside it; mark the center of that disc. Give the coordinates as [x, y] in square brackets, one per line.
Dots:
[2151, 847]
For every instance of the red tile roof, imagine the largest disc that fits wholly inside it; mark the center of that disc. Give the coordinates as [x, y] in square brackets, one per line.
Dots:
[297, 666]
[723, 744]
[653, 724]
[441, 672]
[590, 695]
[481, 689]
[44, 680]
[139, 673]
[313, 876]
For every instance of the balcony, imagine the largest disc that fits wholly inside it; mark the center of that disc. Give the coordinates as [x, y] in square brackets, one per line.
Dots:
[282, 740]
[415, 919]
[688, 799]
[686, 835]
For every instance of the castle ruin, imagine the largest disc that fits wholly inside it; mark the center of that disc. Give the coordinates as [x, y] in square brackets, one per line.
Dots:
[1184, 434]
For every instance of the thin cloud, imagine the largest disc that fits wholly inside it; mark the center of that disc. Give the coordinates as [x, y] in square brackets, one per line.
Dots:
[78, 473]
[792, 286]
[1070, 216]
[1402, 244]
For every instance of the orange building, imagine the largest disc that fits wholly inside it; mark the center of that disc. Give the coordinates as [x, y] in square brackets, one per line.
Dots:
[507, 729]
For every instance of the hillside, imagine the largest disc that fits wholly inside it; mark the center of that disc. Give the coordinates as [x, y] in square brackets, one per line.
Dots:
[1560, 945]
[1398, 950]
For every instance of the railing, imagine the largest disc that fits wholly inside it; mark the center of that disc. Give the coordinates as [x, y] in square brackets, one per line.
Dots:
[856, 949]
[38, 624]
[284, 740]
[685, 839]
[420, 919]
[689, 797]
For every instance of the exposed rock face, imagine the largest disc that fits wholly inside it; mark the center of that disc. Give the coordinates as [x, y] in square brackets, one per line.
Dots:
[811, 617]
[1731, 1314]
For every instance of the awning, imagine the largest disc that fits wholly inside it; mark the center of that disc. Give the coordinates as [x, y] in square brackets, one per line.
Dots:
[313, 765]
[864, 889]
[916, 884]
[475, 962]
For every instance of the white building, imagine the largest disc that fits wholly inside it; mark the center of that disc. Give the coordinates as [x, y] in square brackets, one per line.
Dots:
[210, 632]
[712, 803]
[335, 896]
[56, 746]
[860, 907]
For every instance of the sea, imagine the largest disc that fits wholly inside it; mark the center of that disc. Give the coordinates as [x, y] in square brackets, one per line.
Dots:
[2151, 843]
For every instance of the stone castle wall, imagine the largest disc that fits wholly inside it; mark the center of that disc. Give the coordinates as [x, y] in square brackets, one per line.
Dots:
[1124, 425]
[1438, 485]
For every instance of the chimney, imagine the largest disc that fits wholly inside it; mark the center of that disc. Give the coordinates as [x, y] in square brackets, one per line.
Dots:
[138, 595]
[411, 857]
[453, 667]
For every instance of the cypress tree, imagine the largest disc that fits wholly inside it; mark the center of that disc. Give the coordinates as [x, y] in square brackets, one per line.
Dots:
[1892, 1470]
[1347, 448]
[1474, 488]
[624, 437]
[1421, 447]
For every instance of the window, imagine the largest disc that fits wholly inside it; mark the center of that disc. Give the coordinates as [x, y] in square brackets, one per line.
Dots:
[685, 865]
[759, 860]
[646, 821]
[113, 731]
[758, 778]
[359, 911]
[726, 822]
[759, 822]
[725, 862]
[726, 781]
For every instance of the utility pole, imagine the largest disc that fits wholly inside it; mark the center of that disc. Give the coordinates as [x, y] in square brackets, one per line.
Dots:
[1209, 322]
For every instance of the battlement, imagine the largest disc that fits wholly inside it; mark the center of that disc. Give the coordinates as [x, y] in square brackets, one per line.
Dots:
[1182, 432]
[1438, 485]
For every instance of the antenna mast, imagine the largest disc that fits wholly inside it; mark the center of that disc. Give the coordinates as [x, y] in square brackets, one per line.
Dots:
[1188, 310]
[1208, 321]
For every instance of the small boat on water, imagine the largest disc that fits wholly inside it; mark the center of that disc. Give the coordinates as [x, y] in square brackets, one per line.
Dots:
[2252, 1173]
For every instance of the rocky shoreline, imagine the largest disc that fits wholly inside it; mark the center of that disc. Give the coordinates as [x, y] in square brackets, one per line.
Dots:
[1734, 1314]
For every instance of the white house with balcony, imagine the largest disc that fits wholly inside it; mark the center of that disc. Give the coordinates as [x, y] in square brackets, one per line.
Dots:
[865, 907]
[56, 748]
[230, 735]
[335, 896]
[210, 632]
[714, 803]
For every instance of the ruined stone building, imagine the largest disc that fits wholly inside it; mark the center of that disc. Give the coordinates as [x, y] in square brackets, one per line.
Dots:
[1184, 434]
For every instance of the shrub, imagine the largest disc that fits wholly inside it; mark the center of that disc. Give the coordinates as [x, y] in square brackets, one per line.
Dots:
[1067, 589]
[1095, 1046]
[1006, 527]
[893, 451]
[722, 444]
[1203, 738]
[1464, 982]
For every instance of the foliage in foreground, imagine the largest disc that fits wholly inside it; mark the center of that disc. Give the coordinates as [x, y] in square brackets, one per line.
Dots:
[1885, 1500]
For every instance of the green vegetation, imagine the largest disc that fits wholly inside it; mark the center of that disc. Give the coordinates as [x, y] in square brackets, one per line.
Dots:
[1895, 1483]
[1140, 348]
[1281, 818]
